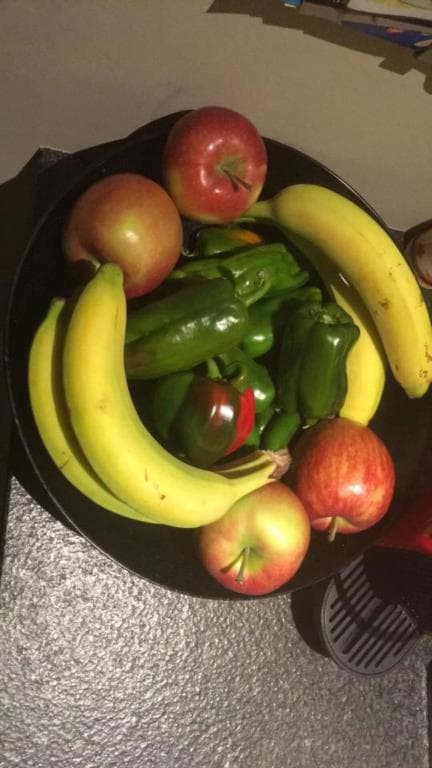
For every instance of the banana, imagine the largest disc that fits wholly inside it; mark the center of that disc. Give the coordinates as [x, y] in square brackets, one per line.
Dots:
[366, 363]
[122, 452]
[370, 261]
[51, 415]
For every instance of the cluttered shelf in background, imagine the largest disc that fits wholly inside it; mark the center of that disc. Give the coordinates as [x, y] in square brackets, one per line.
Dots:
[407, 23]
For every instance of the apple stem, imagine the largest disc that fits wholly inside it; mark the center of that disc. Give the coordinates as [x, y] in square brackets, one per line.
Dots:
[243, 558]
[244, 554]
[236, 180]
[332, 531]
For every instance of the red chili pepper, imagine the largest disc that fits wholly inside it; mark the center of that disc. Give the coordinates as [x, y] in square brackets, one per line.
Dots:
[245, 421]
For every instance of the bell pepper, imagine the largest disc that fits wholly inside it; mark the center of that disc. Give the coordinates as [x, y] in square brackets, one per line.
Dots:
[312, 379]
[213, 241]
[267, 316]
[243, 372]
[182, 330]
[268, 269]
[200, 419]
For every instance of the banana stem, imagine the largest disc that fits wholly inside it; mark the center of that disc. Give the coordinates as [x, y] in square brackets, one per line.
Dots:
[260, 210]
[279, 461]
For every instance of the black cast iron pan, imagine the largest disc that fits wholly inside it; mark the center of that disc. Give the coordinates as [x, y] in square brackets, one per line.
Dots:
[160, 554]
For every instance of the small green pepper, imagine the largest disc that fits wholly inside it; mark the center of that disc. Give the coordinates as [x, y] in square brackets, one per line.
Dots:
[279, 430]
[236, 366]
[269, 269]
[214, 241]
[261, 420]
[183, 330]
[312, 379]
[267, 316]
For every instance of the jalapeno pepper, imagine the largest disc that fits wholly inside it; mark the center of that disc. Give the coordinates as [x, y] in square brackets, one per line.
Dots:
[213, 241]
[267, 316]
[182, 330]
[269, 269]
[200, 419]
[312, 379]
[243, 372]
[279, 430]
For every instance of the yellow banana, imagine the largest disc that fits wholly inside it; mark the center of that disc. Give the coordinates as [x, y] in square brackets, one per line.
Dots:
[370, 261]
[51, 416]
[366, 362]
[122, 452]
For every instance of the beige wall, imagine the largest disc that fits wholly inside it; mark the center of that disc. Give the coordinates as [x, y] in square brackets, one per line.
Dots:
[75, 73]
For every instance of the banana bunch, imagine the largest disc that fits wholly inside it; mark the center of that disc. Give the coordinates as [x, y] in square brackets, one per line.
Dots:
[51, 413]
[366, 257]
[89, 426]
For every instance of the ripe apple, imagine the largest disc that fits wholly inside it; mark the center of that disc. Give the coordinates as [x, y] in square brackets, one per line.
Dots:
[127, 219]
[343, 474]
[259, 544]
[214, 164]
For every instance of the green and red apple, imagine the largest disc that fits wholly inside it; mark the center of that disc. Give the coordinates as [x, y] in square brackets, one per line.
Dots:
[127, 219]
[344, 476]
[214, 164]
[259, 544]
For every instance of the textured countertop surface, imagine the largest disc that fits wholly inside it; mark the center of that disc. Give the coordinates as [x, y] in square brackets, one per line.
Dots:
[101, 668]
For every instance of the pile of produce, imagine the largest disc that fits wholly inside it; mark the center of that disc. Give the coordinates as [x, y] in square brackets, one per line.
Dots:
[225, 382]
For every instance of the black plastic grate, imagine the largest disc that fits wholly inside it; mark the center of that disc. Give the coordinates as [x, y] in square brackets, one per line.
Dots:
[375, 610]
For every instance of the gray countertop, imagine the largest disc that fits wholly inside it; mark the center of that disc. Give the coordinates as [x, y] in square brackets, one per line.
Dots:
[101, 668]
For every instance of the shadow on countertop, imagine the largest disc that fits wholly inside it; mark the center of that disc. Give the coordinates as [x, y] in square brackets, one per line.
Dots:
[395, 58]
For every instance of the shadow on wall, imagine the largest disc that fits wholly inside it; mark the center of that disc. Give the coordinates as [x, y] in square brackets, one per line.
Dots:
[395, 58]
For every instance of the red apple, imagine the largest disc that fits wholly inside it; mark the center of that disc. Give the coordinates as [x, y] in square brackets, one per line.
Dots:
[214, 164]
[259, 544]
[343, 474]
[127, 219]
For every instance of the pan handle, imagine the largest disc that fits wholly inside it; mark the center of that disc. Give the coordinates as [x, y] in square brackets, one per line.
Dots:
[17, 216]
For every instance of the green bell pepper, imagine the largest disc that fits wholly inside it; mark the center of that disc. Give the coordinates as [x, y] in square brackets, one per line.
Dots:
[182, 330]
[312, 379]
[267, 316]
[269, 269]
